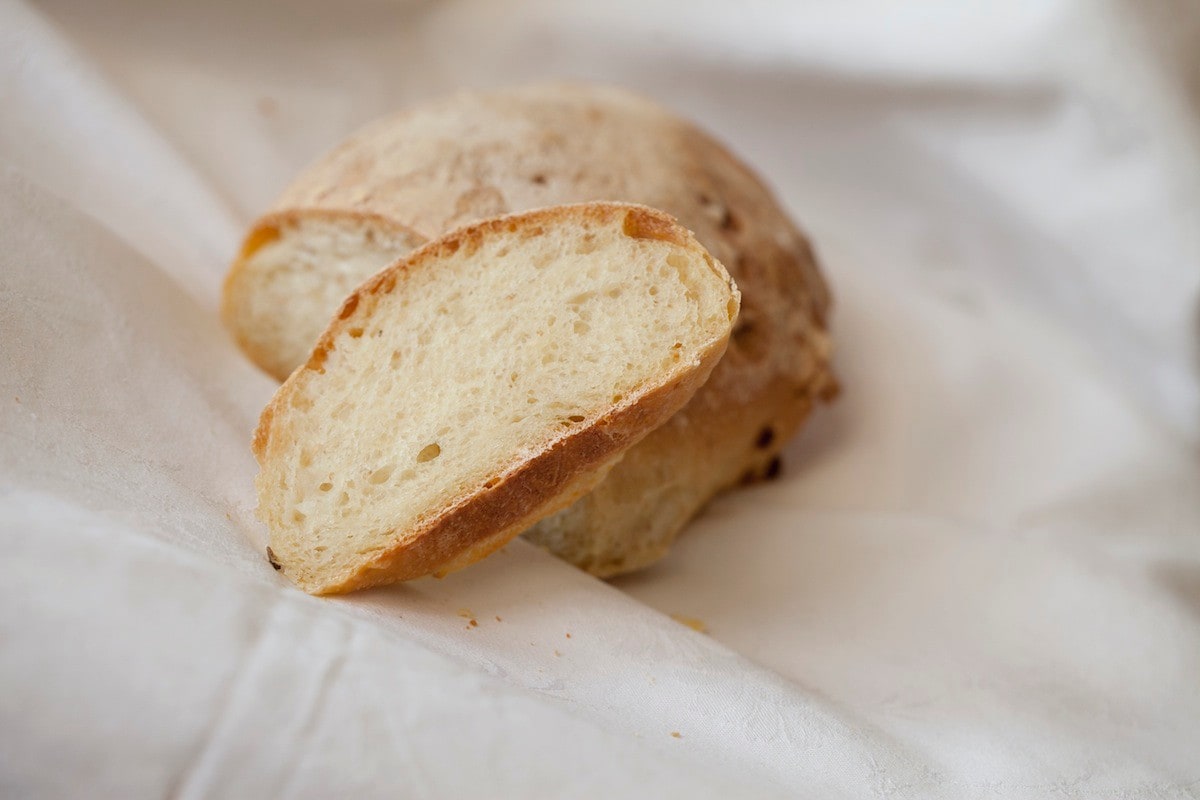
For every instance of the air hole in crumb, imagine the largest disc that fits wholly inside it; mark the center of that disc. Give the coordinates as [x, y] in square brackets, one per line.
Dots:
[395, 358]
[316, 361]
[576, 418]
[582, 327]
[614, 292]
[653, 291]
[539, 179]
[382, 474]
[298, 516]
[326, 486]
[677, 345]
[349, 306]
[677, 260]
[618, 398]
[356, 333]
[306, 458]
[344, 499]
[428, 453]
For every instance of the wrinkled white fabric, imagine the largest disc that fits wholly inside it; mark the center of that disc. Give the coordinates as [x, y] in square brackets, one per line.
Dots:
[978, 577]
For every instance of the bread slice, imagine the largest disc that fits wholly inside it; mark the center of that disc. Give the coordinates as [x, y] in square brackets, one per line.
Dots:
[480, 384]
[295, 268]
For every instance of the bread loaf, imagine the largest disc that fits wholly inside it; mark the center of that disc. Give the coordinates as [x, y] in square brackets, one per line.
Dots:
[485, 381]
[422, 172]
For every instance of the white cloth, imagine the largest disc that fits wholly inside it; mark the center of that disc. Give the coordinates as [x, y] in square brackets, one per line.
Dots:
[979, 576]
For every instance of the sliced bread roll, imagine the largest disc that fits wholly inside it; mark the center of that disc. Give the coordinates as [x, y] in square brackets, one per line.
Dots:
[480, 384]
[471, 155]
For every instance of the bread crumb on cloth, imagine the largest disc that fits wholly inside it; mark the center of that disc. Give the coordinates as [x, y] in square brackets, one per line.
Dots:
[691, 622]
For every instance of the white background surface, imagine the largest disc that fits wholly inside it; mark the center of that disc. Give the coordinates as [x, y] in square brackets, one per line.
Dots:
[979, 576]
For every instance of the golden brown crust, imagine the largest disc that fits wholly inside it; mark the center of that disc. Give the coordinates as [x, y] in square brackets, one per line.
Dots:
[642, 225]
[569, 465]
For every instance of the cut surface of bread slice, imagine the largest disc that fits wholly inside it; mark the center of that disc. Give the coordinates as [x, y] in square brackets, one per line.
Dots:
[480, 384]
[297, 267]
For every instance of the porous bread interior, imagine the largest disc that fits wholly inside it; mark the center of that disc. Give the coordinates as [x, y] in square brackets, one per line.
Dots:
[285, 292]
[471, 366]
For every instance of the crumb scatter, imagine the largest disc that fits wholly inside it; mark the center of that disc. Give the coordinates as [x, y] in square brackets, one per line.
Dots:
[691, 622]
